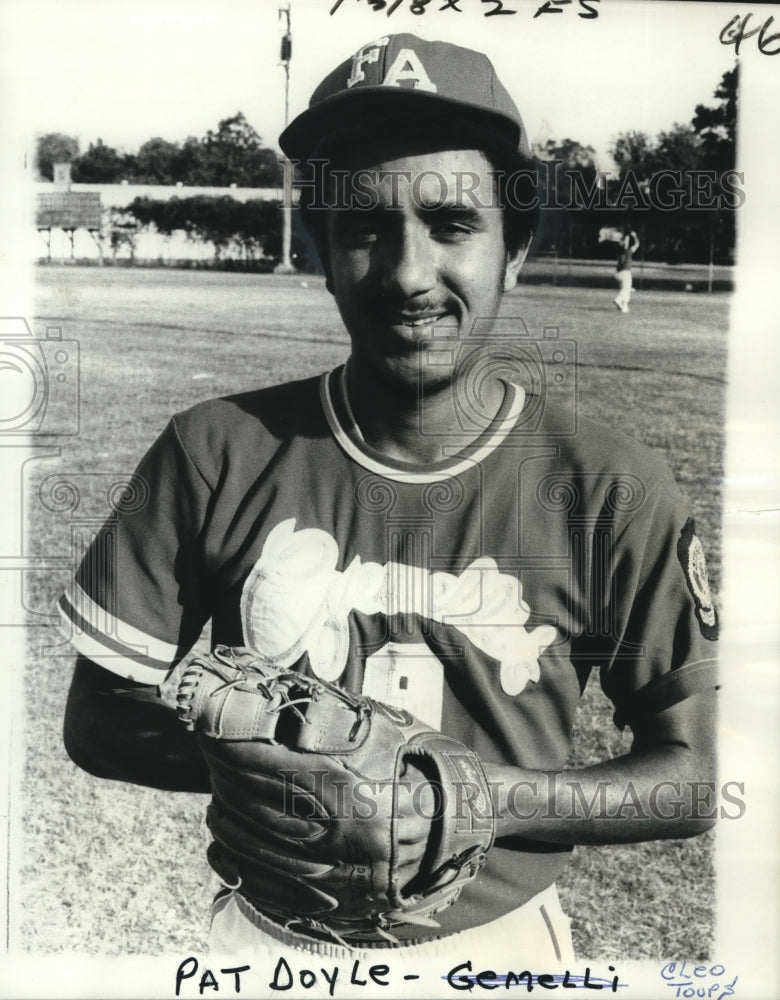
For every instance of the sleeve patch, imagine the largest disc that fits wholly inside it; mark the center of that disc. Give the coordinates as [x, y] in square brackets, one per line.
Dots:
[691, 556]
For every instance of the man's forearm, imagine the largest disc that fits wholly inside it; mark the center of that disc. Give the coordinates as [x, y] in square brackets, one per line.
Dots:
[129, 734]
[655, 795]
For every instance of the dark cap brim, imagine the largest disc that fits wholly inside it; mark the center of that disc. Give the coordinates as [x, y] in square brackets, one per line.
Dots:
[341, 118]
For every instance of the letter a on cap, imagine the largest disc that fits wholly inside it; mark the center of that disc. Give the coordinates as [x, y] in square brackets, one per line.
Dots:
[407, 66]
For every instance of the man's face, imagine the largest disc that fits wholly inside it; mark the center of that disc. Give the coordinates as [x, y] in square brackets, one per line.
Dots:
[422, 264]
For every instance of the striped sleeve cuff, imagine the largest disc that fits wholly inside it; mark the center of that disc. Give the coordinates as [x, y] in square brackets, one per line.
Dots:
[112, 643]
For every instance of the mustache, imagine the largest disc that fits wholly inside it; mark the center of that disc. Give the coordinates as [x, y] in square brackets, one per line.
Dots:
[412, 307]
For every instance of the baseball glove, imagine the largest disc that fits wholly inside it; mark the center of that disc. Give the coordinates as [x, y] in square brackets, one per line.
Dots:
[306, 782]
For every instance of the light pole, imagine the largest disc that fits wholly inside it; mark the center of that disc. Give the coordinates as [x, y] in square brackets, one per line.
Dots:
[285, 265]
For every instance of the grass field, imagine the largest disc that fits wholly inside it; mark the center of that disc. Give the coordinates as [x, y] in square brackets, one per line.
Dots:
[117, 869]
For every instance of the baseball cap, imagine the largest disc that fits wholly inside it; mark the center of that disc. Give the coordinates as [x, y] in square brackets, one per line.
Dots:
[404, 74]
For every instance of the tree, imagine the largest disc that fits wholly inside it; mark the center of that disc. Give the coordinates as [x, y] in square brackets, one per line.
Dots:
[717, 129]
[575, 172]
[570, 193]
[122, 231]
[101, 164]
[633, 152]
[717, 126]
[231, 154]
[259, 225]
[677, 149]
[683, 230]
[190, 166]
[570, 151]
[253, 227]
[234, 154]
[54, 147]
[157, 161]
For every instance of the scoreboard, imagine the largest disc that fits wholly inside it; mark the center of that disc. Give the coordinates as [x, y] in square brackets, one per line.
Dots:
[67, 210]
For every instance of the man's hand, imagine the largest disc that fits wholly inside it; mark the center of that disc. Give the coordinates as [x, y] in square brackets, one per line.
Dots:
[417, 804]
[321, 805]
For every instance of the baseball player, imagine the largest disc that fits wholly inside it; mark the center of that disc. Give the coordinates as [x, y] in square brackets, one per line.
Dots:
[629, 244]
[412, 565]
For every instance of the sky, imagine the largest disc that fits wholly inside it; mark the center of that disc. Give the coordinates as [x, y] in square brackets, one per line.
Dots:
[127, 71]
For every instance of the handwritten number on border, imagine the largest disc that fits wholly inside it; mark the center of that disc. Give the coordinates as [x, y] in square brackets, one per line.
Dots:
[498, 8]
[588, 9]
[737, 30]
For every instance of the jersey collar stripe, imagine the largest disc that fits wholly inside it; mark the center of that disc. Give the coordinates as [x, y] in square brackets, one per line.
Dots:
[95, 620]
[501, 428]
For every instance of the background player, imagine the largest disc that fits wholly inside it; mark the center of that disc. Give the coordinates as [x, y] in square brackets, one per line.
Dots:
[377, 528]
[629, 244]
